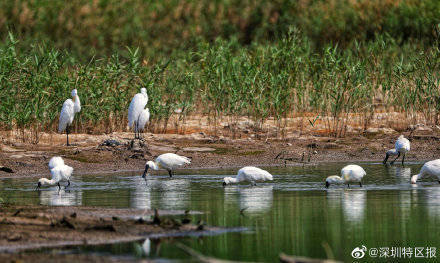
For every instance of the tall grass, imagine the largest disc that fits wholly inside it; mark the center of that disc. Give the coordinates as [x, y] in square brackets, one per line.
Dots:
[222, 80]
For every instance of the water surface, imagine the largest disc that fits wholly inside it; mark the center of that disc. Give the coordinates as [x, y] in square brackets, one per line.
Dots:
[293, 214]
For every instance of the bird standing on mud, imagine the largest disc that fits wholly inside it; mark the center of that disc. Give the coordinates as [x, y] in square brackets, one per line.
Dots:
[402, 146]
[143, 119]
[249, 174]
[137, 112]
[349, 174]
[429, 168]
[167, 161]
[70, 107]
[59, 171]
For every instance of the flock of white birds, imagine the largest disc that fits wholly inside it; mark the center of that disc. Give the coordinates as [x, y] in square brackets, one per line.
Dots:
[138, 117]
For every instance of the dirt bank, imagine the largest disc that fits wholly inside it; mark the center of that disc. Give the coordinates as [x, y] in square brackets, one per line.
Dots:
[34, 227]
[117, 151]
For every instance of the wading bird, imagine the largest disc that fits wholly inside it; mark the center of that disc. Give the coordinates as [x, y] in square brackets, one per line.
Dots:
[402, 146]
[349, 174]
[136, 107]
[249, 174]
[70, 107]
[59, 171]
[431, 168]
[167, 161]
[143, 119]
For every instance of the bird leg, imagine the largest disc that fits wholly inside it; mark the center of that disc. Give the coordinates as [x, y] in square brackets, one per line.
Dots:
[348, 185]
[403, 158]
[398, 155]
[135, 129]
[170, 173]
[360, 184]
[386, 159]
[68, 183]
[59, 186]
[67, 133]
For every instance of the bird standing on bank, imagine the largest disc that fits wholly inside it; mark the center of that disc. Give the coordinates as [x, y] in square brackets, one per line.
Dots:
[249, 174]
[402, 146]
[349, 174]
[137, 106]
[143, 119]
[70, 107]
[431, 168]
[167, 161]
[59, 171]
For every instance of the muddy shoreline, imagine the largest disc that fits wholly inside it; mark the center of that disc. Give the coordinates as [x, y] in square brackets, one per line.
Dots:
[24, 228]
[117, 152]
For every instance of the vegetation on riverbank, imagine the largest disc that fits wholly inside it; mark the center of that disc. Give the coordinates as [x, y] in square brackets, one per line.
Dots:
[260, 60]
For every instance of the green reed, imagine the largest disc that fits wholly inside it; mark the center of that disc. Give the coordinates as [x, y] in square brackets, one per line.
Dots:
[223, 80]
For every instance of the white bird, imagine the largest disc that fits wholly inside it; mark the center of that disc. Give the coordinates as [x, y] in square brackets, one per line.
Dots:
[143, 119]
[351, 173]
[249, 174]
[55, 161]
[431, 168]
[59, 171]
[70, 107]
[167, 161]
[402, 146]
[137, 105]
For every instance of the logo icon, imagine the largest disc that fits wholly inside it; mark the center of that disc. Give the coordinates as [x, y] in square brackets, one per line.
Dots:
[359, 252]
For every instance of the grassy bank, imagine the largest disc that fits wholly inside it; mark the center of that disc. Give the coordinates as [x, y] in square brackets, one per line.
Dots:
[222, 79]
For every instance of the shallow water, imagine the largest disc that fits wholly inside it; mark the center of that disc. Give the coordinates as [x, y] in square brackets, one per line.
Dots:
[293, 214]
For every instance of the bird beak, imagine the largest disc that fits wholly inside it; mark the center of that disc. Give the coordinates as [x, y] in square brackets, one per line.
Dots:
[38, 186]
[145, 172]
[327, 184]
[224, 184]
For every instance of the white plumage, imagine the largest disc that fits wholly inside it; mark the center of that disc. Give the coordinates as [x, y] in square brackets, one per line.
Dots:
[59, 171]
[137, 106]
[70, 107]
[431, 168]
[349, 174]
[55, 161]
[249, 174]
[66, 116]
[402, 146]
[144, 117]
[167, 161]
